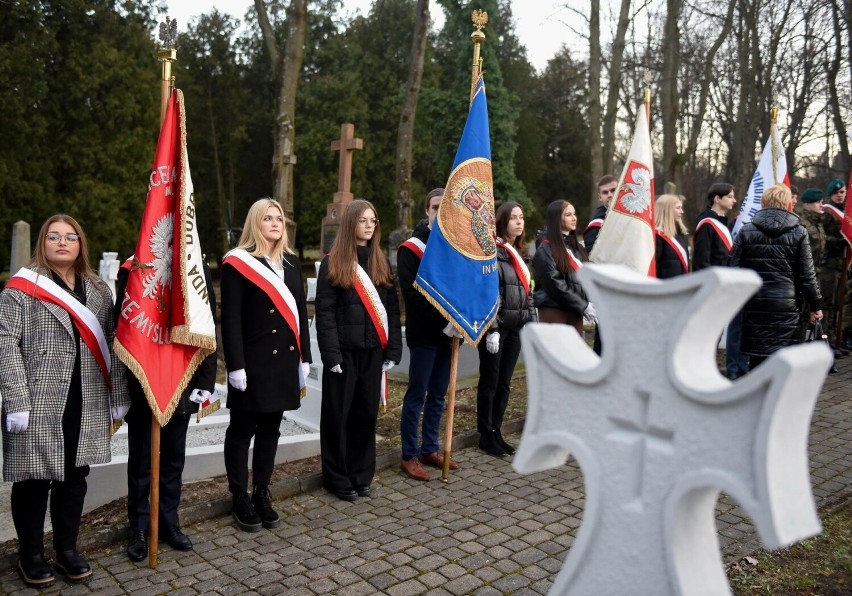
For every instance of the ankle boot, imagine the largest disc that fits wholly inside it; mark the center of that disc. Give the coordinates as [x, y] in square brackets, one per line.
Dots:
[261, 499]
[498, 436]
[488, 443]
[35, 571]
[244, 514]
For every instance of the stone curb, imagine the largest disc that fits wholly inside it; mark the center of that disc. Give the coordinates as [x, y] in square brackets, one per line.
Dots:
[102, 538]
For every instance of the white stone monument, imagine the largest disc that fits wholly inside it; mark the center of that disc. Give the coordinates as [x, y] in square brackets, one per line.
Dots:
[659, 432]
[21, 251]
[108, 269]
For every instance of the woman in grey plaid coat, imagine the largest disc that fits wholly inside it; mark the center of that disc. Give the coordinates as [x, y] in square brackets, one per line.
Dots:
[56, 333]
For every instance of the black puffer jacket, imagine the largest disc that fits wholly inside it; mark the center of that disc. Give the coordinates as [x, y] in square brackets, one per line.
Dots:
[344, 324]
[516, 307]
[553, 288]
[776, 246]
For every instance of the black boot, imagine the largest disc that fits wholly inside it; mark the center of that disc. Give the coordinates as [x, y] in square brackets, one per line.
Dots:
[503, 444]
[262, 501]
[488, 443]
[35, 571]
[137, 546]
[73, 566]
[244, 514]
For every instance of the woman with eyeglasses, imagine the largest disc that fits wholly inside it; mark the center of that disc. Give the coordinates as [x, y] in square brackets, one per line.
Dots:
[62, 388]
[267, 353]
[359, 337]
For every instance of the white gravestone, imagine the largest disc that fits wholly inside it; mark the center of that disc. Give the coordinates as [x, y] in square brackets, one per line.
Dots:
[108, 269]
[658, 432]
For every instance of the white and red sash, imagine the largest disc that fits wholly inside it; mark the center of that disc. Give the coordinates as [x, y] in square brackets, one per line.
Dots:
[595, 223]
[372, 303]
[415, 245]
[573, 261]
[680, 251]
[835, 212]
[45, 289]
[271, 285]
[521, 269]
[721, 229]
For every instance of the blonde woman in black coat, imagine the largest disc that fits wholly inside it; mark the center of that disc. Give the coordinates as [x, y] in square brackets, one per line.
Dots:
[267, 353]
[672, 237]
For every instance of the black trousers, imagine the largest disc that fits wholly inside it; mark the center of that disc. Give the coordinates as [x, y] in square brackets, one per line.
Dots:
[350, 408]
[172, 458]
[265, 427]
[495, 377]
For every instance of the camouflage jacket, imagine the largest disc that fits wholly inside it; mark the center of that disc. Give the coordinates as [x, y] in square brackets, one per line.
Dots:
[813, 224]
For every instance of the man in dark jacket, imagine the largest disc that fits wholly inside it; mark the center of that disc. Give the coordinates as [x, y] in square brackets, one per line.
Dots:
[606, 190]
[172, 447]
[428, 337]
[834, 257]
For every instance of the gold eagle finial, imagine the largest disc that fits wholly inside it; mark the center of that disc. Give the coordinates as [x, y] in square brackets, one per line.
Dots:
[480, 19]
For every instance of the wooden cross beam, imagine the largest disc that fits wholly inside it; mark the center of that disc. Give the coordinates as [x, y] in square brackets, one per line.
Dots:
[347, 144]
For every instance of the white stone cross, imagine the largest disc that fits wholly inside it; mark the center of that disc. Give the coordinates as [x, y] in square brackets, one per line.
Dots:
[658, 432]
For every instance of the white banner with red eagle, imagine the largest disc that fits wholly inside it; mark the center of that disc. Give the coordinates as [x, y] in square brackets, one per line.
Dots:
[165, 328]
[628, 234]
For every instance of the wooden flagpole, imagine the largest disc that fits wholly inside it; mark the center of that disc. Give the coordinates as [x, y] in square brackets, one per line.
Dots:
[480, 19]
[166, 55]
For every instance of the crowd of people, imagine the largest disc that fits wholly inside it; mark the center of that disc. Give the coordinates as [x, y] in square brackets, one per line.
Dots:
[62, 386]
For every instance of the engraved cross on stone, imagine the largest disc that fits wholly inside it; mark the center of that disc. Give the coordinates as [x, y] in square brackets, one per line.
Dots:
[658, 432]
[347, 144]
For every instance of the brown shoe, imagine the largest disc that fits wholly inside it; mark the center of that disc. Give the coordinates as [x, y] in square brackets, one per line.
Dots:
[414, 470]
[437, 460]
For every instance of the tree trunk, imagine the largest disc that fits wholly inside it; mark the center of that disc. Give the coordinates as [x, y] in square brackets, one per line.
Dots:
[286, 71]
[614, 86]
[405, 133]
[596, 148]
[670, 95]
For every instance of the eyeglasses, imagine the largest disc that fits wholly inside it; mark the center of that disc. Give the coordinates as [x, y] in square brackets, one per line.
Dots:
[364, 221]
[54, 238]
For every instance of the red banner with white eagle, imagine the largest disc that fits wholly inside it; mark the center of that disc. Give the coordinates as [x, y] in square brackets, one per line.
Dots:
[628, 234]
[165, 327]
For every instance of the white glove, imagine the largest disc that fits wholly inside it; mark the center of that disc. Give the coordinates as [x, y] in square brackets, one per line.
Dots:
[492, 343]
[17, 422]
[387, 365]
[118, 412]
[590, 313]
[306, 370]
[238, 380]
[336, 369]
[451, 331]
[199, 396]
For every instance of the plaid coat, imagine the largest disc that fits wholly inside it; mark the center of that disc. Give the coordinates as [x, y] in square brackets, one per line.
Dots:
[36, 359]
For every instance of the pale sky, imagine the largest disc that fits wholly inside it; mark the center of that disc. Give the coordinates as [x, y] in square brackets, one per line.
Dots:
[540, 24]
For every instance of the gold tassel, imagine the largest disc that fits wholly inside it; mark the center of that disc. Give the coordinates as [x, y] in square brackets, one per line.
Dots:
[213, 406]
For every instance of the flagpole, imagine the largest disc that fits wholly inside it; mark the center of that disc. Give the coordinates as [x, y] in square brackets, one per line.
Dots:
[166, 55]
[648, 97]
[773, 119]
[480, 19]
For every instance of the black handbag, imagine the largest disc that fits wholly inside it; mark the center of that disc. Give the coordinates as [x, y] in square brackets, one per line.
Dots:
[816, 333]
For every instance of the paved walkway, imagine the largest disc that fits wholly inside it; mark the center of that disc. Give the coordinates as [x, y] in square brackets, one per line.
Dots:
[488, 531]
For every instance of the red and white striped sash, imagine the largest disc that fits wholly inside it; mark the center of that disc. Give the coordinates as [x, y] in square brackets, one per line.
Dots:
[595, 223]
[834, 211]
[372, 303]
[521, 269]
[415, 245]
[45, 289]
[721, 229]
[680, 251]
[573, 261]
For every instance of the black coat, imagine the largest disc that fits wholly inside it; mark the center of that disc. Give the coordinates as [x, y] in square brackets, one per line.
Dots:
[590, 236]
[776, 246]
[424, 324]
[516, 307]
[709, 250]
[257, 338]
[204, 377]
[343, 323]
[555, 289]
[668, 261]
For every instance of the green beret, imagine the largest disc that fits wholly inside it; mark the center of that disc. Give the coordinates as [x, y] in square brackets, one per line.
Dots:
[834, 186]
[812, 195]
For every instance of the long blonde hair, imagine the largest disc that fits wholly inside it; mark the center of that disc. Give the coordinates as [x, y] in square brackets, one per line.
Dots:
[666, 220]
[252, 241]
[81, 264]
[344, 251]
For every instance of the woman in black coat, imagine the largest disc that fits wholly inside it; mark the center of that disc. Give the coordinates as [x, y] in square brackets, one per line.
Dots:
[267, 352]
[498, 354]
[776, 246]
[359, 337]
[672, 240]
[558, 294]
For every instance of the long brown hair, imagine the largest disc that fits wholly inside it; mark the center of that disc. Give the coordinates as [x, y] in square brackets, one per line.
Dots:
[554, 235]
[343, 252]
[504, 212]
[81, 264]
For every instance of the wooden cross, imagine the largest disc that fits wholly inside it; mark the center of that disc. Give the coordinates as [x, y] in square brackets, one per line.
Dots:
[346, 145]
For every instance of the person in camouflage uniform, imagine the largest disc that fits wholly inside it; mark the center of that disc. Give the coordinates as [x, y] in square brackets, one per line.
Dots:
[831, 262]
[812, 214]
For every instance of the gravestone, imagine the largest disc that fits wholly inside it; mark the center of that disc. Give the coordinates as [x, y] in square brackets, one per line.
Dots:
[659, 432]
[347, 144]
[108, 269]
[21, 250]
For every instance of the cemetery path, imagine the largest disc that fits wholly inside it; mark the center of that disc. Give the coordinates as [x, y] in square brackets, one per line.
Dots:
[488, 531]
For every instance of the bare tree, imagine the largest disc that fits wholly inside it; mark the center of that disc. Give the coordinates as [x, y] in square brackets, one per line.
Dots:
[286, 68]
